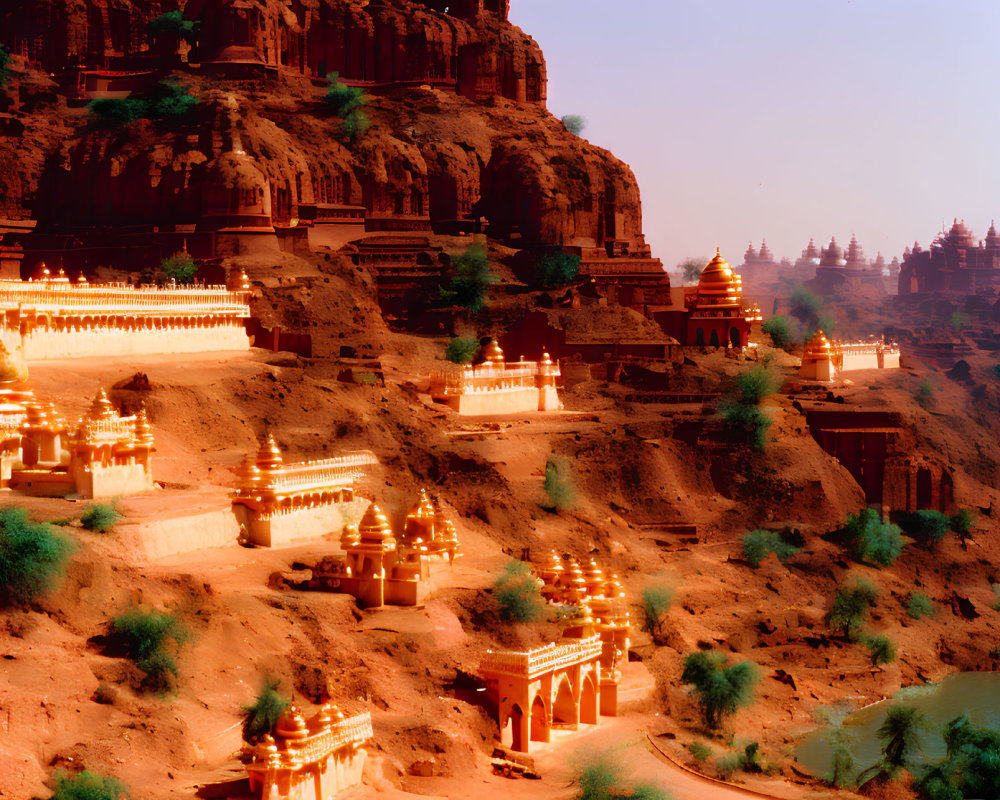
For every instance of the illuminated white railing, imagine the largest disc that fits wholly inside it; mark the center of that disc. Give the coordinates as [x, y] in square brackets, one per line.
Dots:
[545, 659]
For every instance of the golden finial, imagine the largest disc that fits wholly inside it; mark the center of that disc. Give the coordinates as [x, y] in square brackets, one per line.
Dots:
[143, 431]
[269, 455]
[492, 353]
[101, 408]
[374, 526]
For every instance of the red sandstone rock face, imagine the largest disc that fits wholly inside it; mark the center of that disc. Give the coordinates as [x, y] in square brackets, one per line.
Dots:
[456, 105]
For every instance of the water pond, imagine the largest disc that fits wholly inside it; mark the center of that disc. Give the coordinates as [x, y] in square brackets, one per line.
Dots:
[976, 694]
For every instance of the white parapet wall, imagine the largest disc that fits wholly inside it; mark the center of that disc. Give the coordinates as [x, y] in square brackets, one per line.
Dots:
[300, 525]
[53, 318]
[45, 345]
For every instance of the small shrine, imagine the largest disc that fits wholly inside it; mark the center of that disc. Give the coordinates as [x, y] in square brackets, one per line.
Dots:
[55, 317]
[378, 569]
[310, 759]
[497, 387]
[278, 504]
[823, 360]
[104, 455]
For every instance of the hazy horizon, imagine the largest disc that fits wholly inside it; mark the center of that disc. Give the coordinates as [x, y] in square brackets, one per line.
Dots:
[785, 120]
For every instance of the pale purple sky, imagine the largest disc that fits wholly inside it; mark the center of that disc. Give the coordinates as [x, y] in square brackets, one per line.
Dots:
[785, 119]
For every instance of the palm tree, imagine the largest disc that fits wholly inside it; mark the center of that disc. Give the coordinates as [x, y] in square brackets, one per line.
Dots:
[898, 733]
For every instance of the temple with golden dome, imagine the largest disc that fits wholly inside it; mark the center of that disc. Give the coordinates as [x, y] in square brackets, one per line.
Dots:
[823, 360]
[278, 504]
[378, 569]
[711, 314]
[104, 455]
[55, 317]
[308, 759]
[603, 613]
[497, 387]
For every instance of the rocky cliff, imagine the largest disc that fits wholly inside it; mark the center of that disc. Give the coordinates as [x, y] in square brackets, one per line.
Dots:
[455, 97]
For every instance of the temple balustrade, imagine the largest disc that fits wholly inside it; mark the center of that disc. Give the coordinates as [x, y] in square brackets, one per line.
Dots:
[532, 663]
[56, 318]
[278, 503]
[496, 387]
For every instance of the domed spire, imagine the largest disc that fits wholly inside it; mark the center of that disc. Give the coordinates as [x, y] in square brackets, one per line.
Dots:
[492, 353]
[818, 346]
[101, 408]
[143, 431]
[719, 285]
[765, 254]
[750, 255]
[269, 455]
[374, 527]
[855, 255]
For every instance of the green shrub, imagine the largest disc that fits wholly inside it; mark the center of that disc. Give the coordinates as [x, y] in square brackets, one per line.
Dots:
[699, 752]
[366, 378]
[559, 487]
[470, 279]
[919, 605]
[179, 267]
[842, 764]
[260, 718]
[88, 786]
[344, 99]
[959, 320]
[962, 522]
[873, 541]
[881, 649]
[99, 517]
[996, 370]
[518, 595]
[574, 123]
[757, 544]
[996, 591]
[164, 101]
[461, 351]
[754, 385]
[33, 556]
[971, 768]
[780, 331]
[721, 688]
[924, 393]
[726, 765]
[146, 636]
[656, 600]
[749, 423]
[117, 111]
[750, 760]
[926, 526]
[898, 734]
[172, 23]
[851, 607]
[4, 71]
[555, 268]
[355, 124]
[602, 775]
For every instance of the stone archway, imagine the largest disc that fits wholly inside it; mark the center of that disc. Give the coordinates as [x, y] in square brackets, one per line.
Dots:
[588, 701]
[734, 338]
[539, 721]
[699, 337]
[714, 340]
[564, 708]
[514, 722]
